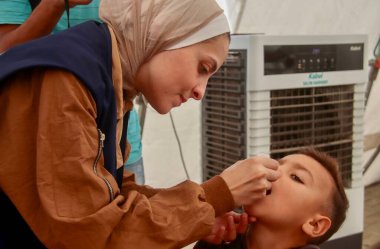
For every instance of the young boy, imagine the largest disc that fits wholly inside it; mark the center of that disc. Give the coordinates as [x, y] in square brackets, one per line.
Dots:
[304, 208]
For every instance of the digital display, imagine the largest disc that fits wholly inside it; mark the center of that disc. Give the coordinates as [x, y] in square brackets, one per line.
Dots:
[316, 50]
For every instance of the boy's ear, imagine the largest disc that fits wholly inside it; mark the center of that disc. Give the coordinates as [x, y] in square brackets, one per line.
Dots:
[316, 226]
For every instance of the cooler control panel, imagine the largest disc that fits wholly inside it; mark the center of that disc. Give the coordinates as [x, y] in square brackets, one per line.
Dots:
[290, 59]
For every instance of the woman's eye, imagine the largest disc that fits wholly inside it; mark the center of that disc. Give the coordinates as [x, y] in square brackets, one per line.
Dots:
[296, 178]
[203, 69]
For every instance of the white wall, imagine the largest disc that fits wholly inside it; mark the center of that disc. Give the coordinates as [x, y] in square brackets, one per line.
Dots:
[163, 165]
[161, 154]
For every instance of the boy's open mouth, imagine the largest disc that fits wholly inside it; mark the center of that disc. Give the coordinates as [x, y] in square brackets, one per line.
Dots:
[269, 191]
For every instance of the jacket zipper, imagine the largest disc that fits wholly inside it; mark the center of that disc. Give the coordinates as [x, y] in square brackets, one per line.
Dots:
[102, 137]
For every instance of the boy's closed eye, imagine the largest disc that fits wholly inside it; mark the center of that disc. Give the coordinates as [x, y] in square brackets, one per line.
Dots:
[296, 178]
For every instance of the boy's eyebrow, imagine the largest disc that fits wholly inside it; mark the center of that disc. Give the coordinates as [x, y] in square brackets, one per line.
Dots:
[298, 166]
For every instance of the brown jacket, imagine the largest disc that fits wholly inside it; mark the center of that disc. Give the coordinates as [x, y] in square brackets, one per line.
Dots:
[48, 130]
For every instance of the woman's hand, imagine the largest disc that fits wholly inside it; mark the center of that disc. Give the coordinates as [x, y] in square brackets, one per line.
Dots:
[249, 179]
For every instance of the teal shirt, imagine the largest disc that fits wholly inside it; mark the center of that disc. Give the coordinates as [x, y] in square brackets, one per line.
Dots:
[17, 11]
[134, 137]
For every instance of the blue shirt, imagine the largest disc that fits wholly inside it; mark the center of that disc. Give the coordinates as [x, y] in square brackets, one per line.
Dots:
[17, 11]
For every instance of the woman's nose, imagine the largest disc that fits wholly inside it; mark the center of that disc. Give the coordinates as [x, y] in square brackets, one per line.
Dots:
[199, 90]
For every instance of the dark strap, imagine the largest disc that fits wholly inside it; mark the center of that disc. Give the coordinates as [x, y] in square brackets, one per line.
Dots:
[123, 144]
[67, 8]
[34, 3]
[14, 232]
[123, 141]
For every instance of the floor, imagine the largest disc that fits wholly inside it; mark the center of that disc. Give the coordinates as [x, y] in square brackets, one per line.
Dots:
[371, 234]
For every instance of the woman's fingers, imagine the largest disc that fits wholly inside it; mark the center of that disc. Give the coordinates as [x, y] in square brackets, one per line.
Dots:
[249, 180]
[273, 175]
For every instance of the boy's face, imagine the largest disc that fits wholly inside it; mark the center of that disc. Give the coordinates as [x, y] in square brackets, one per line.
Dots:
[303, 190]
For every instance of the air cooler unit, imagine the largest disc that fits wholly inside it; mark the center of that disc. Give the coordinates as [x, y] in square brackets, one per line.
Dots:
[276, 94]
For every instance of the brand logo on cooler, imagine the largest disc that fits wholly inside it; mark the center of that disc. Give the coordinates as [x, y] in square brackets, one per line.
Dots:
[315, 76]
[315, 79]
[355, 48]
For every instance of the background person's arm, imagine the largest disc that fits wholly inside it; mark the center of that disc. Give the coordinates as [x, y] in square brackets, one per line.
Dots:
[41, 22]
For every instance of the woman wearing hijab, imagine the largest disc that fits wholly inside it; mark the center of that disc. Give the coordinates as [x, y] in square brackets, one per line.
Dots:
[64, 103]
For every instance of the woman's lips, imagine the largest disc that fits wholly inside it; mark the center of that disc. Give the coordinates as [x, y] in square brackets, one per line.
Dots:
[183, 99]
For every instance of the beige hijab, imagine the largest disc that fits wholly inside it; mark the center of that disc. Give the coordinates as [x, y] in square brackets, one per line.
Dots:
[144, 28]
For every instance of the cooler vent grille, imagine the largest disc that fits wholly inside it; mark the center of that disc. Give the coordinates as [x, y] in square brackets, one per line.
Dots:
[224, 115]
[321, 116]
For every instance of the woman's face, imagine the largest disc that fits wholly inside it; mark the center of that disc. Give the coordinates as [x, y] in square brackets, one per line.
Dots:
[172, 77]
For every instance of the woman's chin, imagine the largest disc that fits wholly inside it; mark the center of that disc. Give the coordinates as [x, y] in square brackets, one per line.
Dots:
[161, 110]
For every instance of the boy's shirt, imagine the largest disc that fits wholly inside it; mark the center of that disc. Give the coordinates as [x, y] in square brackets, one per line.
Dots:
[238, 243]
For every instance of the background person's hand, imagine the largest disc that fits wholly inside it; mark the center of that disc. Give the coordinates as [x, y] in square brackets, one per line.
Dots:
[249, 179]
[227, 227]
[61, 3]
